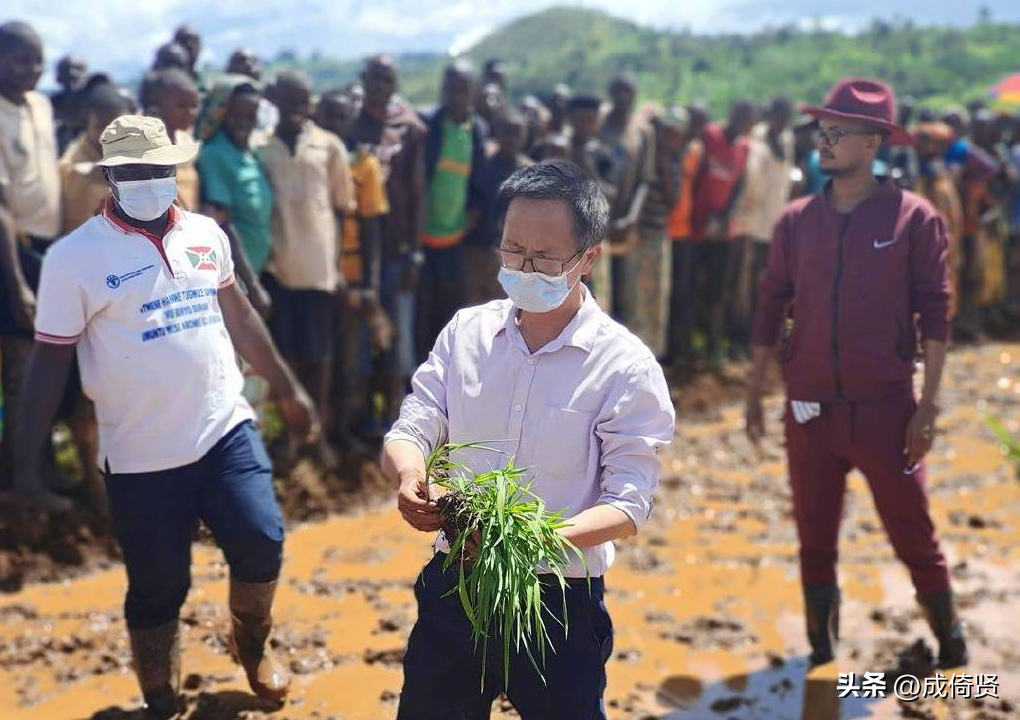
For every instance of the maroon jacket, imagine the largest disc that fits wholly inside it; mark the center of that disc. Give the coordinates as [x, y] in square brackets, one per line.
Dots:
[854, 282]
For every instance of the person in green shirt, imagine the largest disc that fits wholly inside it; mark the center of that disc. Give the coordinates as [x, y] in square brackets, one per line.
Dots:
[454, 157]
[234, 187]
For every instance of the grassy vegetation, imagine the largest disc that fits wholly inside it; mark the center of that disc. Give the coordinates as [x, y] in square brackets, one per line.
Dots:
[1011, 444]
[499, 585]
[585, 48]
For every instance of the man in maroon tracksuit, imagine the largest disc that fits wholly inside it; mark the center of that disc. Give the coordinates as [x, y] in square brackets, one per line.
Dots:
[854, 275]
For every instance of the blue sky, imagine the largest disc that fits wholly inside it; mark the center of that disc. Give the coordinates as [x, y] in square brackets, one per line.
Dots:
[120, 35]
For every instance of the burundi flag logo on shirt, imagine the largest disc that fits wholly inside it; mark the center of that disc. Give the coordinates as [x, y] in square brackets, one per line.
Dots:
[202, 258]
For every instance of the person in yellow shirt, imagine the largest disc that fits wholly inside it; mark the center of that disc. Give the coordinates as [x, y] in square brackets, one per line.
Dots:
[360, 264]
[936, 183]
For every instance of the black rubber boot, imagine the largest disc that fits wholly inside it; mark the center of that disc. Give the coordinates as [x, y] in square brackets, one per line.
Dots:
[821, 610]
[940, 613]
[157, 660]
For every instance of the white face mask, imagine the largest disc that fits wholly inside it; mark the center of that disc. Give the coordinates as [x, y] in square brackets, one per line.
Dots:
[534, 292]
[146, 200]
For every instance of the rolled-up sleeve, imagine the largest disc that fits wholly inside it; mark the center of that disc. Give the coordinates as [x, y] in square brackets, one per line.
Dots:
[423, 416]
[638, 424]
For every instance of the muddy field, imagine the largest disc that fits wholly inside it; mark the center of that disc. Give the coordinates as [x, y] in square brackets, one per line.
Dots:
[705, 602]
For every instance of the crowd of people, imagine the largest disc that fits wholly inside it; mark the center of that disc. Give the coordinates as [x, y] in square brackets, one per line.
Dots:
[334, 242]
[359, 224]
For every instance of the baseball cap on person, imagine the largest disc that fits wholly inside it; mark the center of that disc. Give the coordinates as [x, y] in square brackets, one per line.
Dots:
[142, 140]
[869, 102]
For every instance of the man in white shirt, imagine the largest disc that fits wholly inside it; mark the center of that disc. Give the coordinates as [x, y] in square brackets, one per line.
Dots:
[145, 291]
[548, 378]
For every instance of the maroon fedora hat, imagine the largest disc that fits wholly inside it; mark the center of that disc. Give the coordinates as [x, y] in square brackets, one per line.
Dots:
[869, 102]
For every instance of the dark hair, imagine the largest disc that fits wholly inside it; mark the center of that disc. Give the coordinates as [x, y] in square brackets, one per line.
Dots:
[246, 88]
[586, 101]
[105, 97]
[293, 79]
[462, 67]
[170, 79]
[14, 34]
[335, 95]
[561, 180]
[509, 116]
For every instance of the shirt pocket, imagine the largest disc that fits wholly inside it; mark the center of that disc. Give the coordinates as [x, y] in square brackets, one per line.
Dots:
[564, 443]
[312, 177]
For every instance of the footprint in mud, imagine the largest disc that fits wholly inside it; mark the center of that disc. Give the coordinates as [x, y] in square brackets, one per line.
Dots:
[708, 632]
[393, 658]
[974, 522]
[393, 624]
[725, 705]
[646, 560]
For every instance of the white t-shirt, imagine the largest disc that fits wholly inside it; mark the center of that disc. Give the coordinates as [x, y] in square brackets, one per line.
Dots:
[155, 356]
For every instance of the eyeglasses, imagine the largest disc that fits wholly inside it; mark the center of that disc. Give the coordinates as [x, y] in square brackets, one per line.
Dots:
[544, 266]
[832, 136]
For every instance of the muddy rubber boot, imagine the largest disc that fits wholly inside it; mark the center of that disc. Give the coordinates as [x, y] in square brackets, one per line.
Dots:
[251, 616]
[821, 611]
[157, 660]
[941, 615]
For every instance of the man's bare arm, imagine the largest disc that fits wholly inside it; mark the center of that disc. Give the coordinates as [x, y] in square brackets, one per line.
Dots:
[921, 429]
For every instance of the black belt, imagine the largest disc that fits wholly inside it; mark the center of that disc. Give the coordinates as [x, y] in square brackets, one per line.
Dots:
[597, 583]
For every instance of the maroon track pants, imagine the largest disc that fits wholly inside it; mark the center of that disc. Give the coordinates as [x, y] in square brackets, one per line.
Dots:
[868, 436]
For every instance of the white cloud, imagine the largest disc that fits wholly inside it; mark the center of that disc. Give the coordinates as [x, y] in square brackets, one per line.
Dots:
[468, 39]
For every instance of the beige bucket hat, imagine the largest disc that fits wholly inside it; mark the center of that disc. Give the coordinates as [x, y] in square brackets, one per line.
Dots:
[142, 140]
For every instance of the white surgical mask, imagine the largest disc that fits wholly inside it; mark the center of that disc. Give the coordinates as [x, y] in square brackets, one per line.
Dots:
[534, 292]
[146, 200]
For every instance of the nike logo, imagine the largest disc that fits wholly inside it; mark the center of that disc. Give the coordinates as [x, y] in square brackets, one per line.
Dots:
[879, 244]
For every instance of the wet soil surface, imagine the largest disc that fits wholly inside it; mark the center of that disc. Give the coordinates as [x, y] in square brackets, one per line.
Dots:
[706, 601]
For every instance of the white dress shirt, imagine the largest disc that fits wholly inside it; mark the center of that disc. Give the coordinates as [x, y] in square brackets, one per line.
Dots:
[587, 414]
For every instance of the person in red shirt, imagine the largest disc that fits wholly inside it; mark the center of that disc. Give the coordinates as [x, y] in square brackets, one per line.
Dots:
[715, 190]
[854, 274]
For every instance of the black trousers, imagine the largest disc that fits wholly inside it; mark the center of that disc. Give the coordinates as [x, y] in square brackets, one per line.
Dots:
[443, 668]
[441, 293]
[681, 303]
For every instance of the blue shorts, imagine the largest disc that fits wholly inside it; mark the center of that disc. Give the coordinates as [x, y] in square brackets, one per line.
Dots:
[155, 516]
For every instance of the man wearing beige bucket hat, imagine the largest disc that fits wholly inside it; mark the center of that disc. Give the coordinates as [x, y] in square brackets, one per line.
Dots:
[145, 291]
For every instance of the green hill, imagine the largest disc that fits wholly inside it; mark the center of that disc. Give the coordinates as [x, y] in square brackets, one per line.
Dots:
[585, 48]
